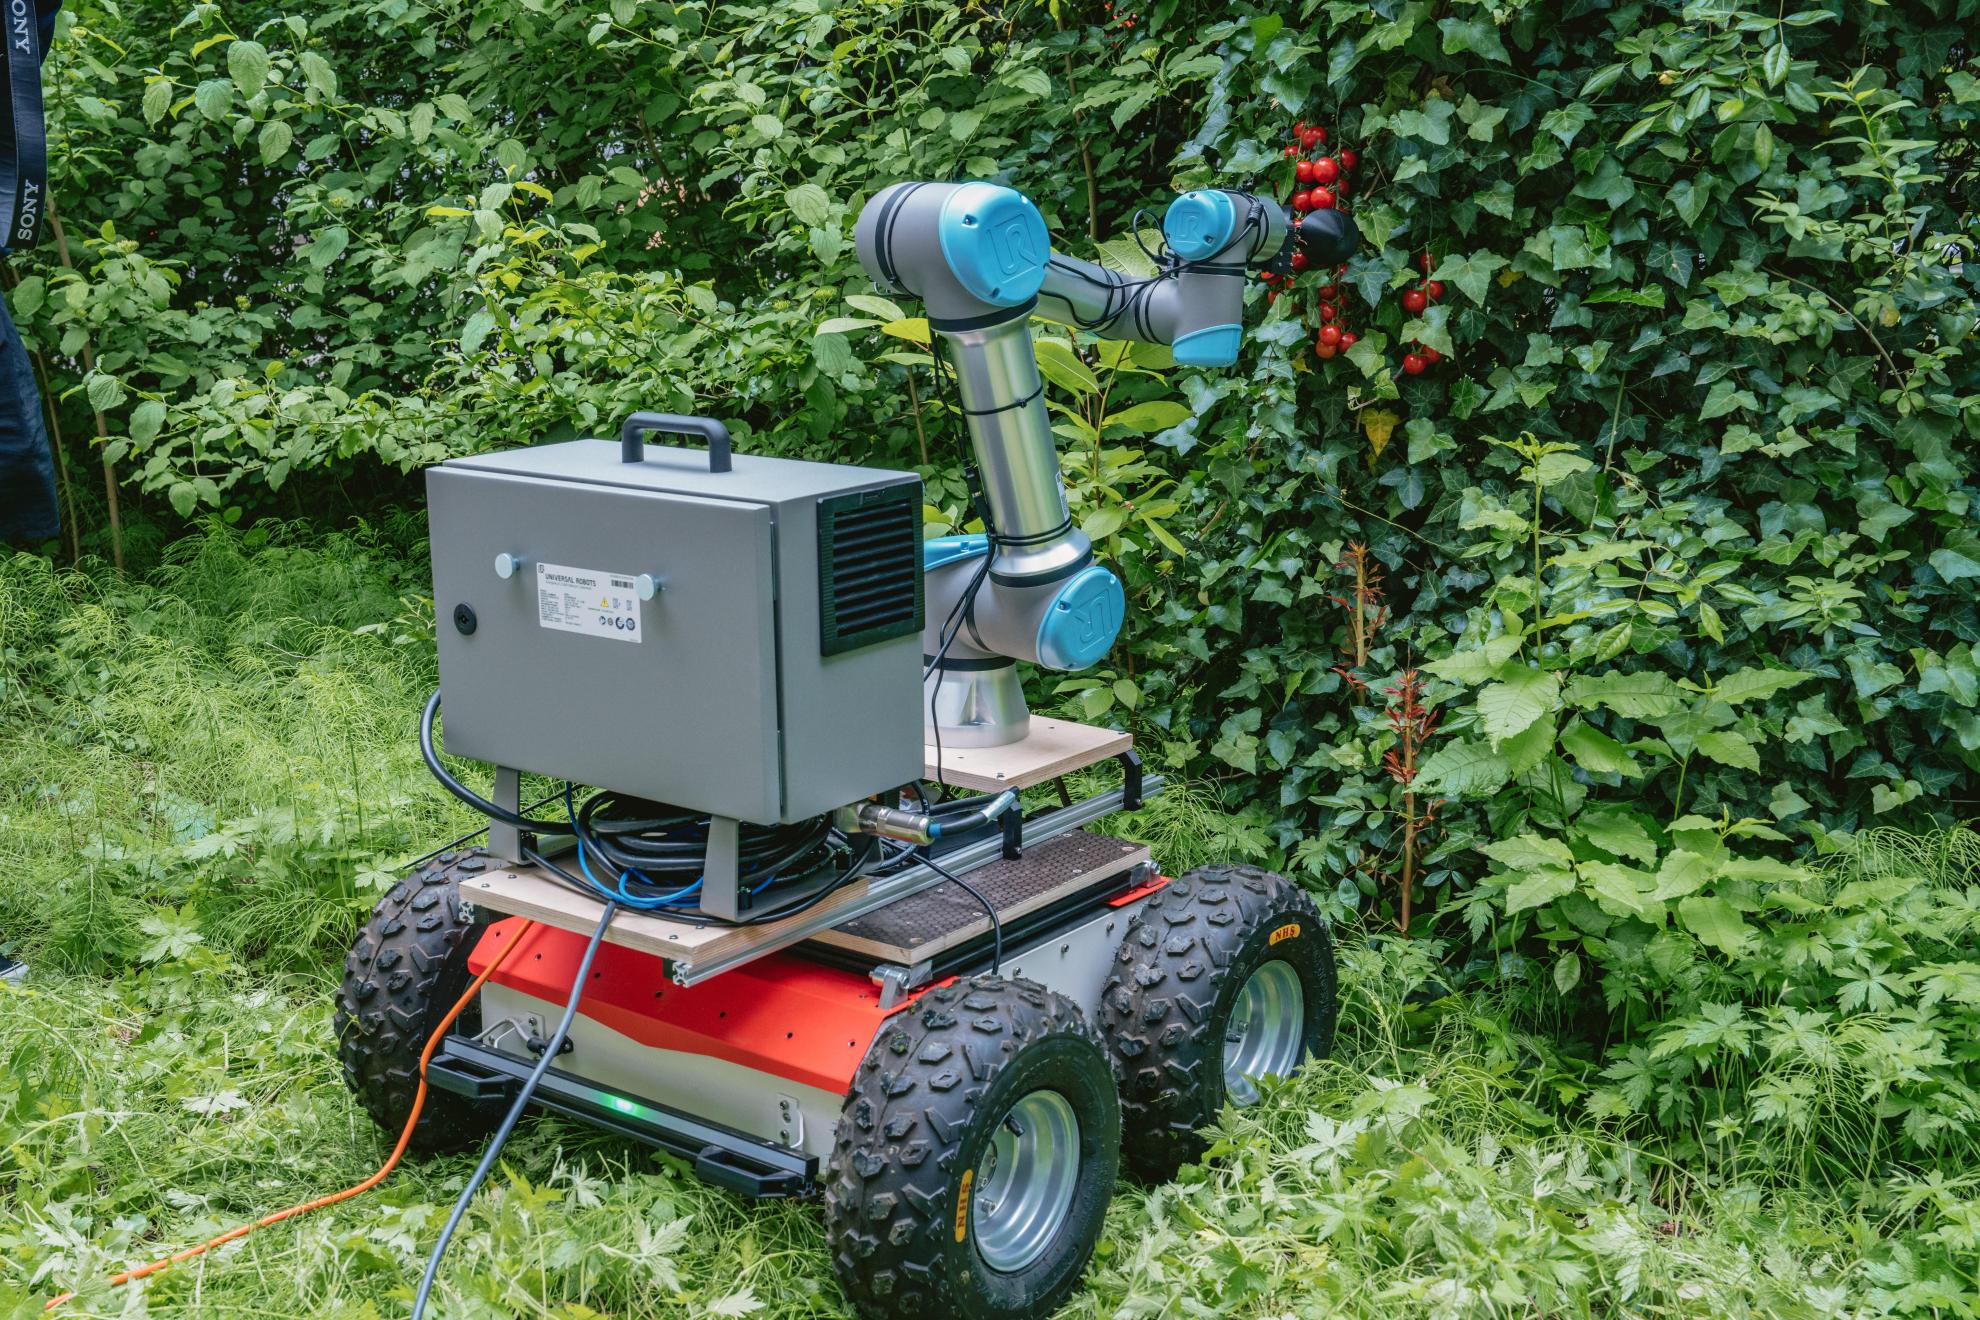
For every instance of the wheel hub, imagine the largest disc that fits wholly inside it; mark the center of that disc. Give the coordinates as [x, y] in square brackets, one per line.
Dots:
[1267, 1030]
[1025, 1181]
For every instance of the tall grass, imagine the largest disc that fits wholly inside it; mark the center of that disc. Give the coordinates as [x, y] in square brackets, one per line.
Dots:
[206, 776]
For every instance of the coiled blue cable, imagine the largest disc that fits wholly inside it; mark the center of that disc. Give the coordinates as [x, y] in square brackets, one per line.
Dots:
[616, 892]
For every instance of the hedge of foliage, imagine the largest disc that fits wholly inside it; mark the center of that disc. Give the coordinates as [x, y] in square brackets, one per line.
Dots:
[1666, 566]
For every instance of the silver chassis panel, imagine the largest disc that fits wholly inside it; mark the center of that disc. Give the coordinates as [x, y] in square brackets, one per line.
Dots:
[1073, 960]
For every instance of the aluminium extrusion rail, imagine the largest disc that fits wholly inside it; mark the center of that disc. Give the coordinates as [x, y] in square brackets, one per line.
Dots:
[687, 970]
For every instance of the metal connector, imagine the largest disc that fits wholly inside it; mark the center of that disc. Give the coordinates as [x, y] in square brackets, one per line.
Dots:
[915, 826]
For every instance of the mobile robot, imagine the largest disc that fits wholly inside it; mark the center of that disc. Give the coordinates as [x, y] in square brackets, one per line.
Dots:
[806, 935]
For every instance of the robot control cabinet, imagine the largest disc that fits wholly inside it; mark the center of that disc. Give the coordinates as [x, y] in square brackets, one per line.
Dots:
[738, 636]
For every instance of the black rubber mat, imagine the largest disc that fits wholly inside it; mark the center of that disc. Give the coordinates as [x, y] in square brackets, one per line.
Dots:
[920, 925]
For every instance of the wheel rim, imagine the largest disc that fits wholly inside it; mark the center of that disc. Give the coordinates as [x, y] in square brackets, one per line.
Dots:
[1025, 1181]
[1265, 1036]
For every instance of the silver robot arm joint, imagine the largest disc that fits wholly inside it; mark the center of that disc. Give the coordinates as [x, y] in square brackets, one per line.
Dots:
[979, 258]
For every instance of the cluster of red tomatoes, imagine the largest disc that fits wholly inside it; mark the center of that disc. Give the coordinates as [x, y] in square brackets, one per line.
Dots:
[1320, 182]
[1421, 357]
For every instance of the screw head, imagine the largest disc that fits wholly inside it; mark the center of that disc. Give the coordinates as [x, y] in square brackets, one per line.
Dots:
[464, 621]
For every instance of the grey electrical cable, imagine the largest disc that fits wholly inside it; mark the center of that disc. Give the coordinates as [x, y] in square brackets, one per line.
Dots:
[480, 1175]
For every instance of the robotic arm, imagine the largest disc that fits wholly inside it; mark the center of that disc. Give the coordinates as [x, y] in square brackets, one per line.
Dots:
[979, 258]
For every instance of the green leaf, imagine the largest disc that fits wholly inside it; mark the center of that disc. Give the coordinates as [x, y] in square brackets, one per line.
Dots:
[1728, 748]
[1567, 972]
[476, 331]
[1645, 696]
[247, 65]
[1597, 752]
[1615, 830]
[832, 353]
[1518, 699]
[810, 204]
[769, 126]
[147, 420]
[157, 100]
[214, 98]
[318, 72]
[874, 305]
[1958, 558]
[1462, 769]
[274, 141]
[1477, 664]
[1753, 684]
[1471, 275]
[1526, 852]
[1062, 366]
[1716, 922]
[327, 246]
[1539, 887]
[183, 497]
[105, 391]
[1156, 415]
[1462, 35]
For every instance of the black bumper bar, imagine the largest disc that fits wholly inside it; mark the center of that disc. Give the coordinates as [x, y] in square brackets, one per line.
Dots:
[720, 1155]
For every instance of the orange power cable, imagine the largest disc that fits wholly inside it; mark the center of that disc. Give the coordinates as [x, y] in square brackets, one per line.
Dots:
[384, 1170]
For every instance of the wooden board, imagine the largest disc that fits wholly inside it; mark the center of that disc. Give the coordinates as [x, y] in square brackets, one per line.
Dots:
[524, 892]
[916, 928]
[1051, 748]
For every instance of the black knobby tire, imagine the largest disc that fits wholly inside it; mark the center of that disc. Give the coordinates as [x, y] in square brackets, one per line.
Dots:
[1167, 1005]
[923, 1110]
[408, 966]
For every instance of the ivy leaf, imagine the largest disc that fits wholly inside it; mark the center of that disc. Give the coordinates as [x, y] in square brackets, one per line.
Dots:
[1472, 275]
[1462, 35]
[1517, 700]
[1958, 558]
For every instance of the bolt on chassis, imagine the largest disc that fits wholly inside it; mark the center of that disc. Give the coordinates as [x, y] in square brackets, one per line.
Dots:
[809, 939]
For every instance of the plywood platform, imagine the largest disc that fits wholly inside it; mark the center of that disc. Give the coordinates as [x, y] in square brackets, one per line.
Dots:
[922, 925]
[525, 892]
[1052, 748]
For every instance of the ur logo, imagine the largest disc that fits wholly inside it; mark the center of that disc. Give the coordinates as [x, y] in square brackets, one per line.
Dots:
[1015, 241]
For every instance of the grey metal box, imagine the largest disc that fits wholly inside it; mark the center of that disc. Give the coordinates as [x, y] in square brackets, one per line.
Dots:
[774, 674]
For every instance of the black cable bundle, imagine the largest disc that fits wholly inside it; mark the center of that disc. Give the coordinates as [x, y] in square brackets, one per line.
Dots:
[660, 841]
